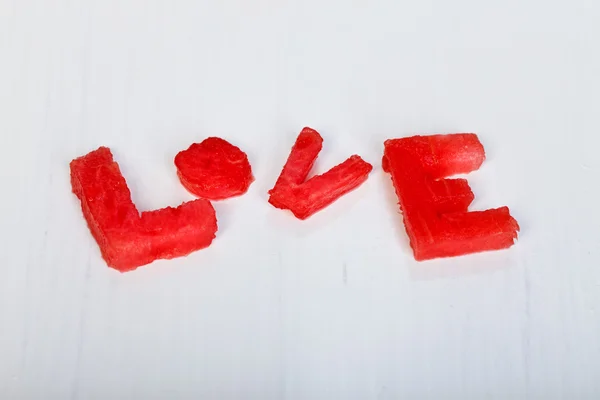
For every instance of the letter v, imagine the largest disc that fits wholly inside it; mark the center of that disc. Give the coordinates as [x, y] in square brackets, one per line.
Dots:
[305, 197]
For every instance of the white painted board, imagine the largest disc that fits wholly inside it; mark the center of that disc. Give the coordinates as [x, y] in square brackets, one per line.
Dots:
[334, 307]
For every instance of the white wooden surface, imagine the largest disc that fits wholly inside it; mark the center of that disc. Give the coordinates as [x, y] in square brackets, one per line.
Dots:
[334, 307]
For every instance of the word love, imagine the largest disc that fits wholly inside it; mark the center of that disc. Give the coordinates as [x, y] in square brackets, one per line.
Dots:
[435, 208]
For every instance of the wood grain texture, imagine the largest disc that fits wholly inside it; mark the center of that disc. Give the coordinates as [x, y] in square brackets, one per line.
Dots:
[333, 307]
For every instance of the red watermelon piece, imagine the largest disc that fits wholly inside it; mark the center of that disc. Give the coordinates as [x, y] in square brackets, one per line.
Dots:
[435, 212]
[214, 169]
[128, 239]
[305, 197]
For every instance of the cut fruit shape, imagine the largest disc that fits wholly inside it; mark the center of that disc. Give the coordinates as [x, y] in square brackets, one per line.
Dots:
[214, 169]
[128, 239]
[305, 197]
[435, 208]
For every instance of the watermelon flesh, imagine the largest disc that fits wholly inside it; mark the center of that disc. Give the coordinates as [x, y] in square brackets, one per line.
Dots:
[305, 197]
[435, 208]
[128, 239]
[214, 169]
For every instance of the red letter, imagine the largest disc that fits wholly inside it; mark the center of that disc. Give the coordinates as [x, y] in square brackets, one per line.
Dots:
[305, 198]
[128, 239]
[214, 169]
[434, 208]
